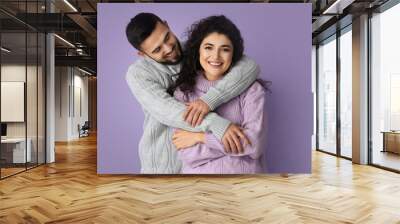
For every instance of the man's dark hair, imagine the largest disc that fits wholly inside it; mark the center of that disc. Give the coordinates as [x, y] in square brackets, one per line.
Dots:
[140, 27]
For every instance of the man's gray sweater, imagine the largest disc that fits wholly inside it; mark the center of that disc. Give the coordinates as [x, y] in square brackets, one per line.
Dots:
[149, 80]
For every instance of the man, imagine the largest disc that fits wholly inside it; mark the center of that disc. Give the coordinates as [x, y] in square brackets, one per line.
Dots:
[151, 75]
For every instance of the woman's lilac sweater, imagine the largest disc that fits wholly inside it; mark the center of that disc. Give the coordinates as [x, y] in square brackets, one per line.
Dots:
[245, 110]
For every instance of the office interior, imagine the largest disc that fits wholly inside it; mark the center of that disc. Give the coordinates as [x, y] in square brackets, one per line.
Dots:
[48, 80]
[49, 92]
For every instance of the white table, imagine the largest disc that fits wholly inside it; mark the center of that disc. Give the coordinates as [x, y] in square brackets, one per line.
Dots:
[18, 149]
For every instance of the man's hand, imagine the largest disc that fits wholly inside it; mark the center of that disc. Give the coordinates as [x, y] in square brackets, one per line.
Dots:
[231, 139]
[184, 139]
[195, 112]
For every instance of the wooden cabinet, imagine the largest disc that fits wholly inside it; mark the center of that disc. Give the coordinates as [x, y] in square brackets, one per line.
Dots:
[391, 142]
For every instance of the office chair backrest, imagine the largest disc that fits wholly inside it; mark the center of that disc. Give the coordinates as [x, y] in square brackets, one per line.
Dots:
[86, 125]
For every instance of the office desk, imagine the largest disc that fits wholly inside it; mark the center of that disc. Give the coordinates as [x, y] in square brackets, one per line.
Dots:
[391, 141]
[13, 150]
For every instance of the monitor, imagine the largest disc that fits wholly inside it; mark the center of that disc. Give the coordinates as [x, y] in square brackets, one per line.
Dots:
[3, 129]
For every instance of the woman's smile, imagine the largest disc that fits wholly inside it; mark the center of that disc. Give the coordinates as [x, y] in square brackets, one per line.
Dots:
[216, 52]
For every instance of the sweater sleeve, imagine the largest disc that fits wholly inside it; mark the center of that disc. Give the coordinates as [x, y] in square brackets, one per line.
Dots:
[198, 155]
[238, 79]
[253, 123]
[153, 97]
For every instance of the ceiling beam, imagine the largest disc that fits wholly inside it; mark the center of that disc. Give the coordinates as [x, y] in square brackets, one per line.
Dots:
[83, 61]
[85, 25]
[337, 7]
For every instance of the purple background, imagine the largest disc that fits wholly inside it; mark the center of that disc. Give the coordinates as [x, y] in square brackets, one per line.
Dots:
[277, 36]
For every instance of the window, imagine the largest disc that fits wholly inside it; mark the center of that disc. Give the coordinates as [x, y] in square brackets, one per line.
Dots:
[346, 92]
[385, 88]
[327, 95]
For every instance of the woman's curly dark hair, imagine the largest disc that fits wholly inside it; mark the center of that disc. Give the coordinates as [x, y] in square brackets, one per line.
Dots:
[196, 34]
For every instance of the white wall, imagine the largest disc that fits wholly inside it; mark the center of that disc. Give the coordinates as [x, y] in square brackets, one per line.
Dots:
[61, 103]
[80, 109]
[15, 72]
[12, 101]
[70, 94]
[314, 92]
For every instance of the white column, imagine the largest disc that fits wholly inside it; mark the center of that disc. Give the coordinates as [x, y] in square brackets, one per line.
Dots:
[50, 100]
[50, 93]
[360, 90]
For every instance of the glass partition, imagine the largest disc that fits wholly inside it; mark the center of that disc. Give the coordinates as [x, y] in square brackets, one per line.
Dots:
[327, 95]
[41, 107]
[22, 78]
[14, 153]
[32, 95]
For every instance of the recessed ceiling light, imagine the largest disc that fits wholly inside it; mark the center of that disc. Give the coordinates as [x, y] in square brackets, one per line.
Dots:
[337, 7]
[84, 71]
[70, 5]
[5, 50]
[64, 40]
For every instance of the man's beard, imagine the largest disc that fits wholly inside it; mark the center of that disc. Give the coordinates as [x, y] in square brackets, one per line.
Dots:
[172, 62]
[178, 45]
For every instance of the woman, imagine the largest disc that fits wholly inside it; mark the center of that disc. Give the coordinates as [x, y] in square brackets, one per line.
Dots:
[214, 45]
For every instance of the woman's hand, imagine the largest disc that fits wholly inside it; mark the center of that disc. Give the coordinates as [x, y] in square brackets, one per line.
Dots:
[184, 139]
